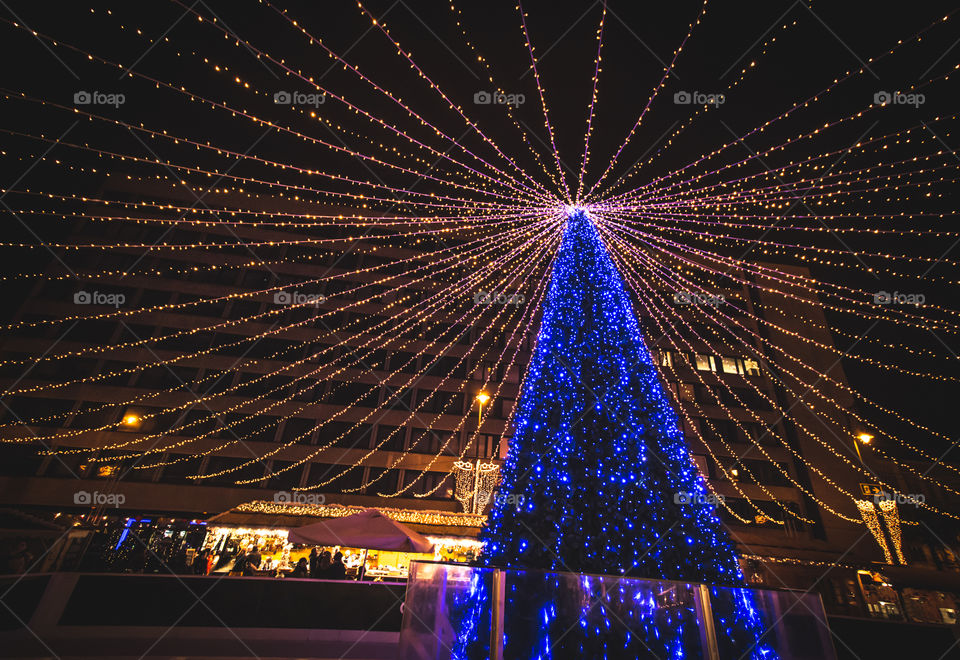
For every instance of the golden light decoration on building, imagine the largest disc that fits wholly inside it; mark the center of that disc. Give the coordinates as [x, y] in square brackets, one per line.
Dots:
[870, 519]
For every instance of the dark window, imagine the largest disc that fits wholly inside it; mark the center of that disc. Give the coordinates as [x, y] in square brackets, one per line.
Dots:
[115, 366]
[320, 472]
[440, 401]
[403, 362]
[284, 480]
[354, 435]
[186, 343]
[397, 400]
[308, 391]
[94, 415]
[297, 427]
[263, 429]
[197, 421]
[220, 463]
[388, 481]
[245, 308]
[503, 407]
[430, 441]
[215, 382]
[447, 365]
[179, 471]
[64, 465]
[352, 394]
[395, 433]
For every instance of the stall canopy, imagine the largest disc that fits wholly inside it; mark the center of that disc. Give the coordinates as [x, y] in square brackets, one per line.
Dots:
[368, 529]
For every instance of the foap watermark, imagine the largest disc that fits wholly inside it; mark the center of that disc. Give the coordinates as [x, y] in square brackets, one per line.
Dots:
[99, 298]
[485, 298]
[298, 298]
[99, 98]
[484, 97]
[515, 500]
[686, 497]
[96, 498]
[684, 97]
[899, 98]
[898, 298]
[299, 98]
[691, 298]
[287, 497]
[916, 499]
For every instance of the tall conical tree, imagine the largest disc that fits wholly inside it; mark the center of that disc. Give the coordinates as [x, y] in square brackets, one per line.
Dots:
[599, 471]
[600, 481]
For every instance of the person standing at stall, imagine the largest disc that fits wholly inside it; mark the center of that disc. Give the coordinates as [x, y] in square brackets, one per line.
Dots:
[252, 564]
[200, 562]
[300, 570]
[338, 570]
[323, 566]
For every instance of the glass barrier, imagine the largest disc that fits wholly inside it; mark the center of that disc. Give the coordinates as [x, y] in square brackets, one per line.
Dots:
[464, 612]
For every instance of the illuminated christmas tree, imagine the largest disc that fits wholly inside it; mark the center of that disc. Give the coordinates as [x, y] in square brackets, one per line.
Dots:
[600, 480]
[599, 471]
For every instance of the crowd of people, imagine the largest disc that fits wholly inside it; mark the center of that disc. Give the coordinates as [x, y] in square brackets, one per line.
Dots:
[320, 565]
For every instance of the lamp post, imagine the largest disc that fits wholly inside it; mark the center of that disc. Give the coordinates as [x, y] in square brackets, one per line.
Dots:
[865, 438]
[482, 398]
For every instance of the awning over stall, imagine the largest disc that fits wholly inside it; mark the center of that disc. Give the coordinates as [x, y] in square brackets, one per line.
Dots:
[367, 529]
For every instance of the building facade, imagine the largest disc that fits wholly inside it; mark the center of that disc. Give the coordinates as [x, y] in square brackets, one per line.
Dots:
[729, 398]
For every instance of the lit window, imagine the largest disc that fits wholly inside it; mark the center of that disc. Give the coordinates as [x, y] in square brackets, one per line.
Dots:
[751, 367]
[731, 365]
[107, 470]
[705, 362]
[666, 358]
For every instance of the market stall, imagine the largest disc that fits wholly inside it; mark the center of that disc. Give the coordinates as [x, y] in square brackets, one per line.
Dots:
[369, 530]
[269, 525]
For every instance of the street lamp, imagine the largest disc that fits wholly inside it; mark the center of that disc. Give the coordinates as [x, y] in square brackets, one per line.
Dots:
[482, 398]
[865, 438]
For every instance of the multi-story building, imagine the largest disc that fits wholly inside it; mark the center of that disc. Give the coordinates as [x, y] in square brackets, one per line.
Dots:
[730, 393]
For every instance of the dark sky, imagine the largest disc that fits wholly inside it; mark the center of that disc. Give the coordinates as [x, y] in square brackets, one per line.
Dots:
[827, 40]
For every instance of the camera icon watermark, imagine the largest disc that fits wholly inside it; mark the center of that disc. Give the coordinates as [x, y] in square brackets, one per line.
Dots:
[484, 97]
[299, 98]
[298, 298]
[485, 298]
[698, 98]
[296, 497]
[99, 298]
[686, 497]
[897, 298]
[96, 498]
[691, 298]
[98, 98]
[898, 98]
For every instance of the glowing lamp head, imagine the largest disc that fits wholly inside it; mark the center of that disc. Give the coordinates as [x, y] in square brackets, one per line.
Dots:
[865, 438]
[131, 419]
[483, 397]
